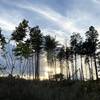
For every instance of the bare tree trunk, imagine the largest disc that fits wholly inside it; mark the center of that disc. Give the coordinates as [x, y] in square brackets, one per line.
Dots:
[76, 67]
[61, 70]
[95, 66]
[68, 72]
[20, 66]
[55, 65]
[82, 74]
[37, 65]
[33, 65]
[73, 70]
[24, 67]
[27, 68]
[91, 69]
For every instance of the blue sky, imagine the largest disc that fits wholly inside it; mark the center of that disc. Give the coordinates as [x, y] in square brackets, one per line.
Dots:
[55, 17]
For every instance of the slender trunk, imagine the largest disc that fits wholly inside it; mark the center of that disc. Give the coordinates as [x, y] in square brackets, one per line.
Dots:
[61, 70]
[86, 71]
[7, 63]
[20, 66]
[55, 65]
[37, 65]
[29, 65]
[73, 70]
[91, 69]
[86, 76]
[23, 68]
[75, 67]
[82, 74]
[33, 66]
[12, 70]
[68, 72]
[95, 67]
[27, 68]
[12, 63]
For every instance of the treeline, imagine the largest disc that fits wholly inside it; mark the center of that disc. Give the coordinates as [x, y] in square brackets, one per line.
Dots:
[31, 43]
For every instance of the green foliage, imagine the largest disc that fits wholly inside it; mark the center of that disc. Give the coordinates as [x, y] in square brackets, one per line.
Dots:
[50, 44]
[61, 54]
[2, 40]
[23, 50]
[36, 38]
[20, 32]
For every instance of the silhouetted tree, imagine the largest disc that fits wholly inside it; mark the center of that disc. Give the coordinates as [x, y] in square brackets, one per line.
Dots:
[20, 31]
[75, 39]
[50, 46]
[92, 40]
[67, 57]
[36, 40]
[23, 50]
[19, 34]
[80, 52]
[61, 58]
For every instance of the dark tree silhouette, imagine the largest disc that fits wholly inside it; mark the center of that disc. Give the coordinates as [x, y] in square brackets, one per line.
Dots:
[20, 31]
[67, 57]
[61, 58]
[36, 40]
[50, 46]
[75, 39]
[24, 51]
[92, 41]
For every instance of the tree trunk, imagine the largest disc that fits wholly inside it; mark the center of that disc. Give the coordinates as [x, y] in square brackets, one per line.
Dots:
[68, 72]
[75, 67]
[33, 66]
[73, 70]
[37, 66]
[91, 69]
[12, 70]
[61, 71]
[82, 74]
[20, 66]
[95, 66]
[55, 65]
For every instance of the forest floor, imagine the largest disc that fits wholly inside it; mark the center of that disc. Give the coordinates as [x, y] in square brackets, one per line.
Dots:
[21, 89]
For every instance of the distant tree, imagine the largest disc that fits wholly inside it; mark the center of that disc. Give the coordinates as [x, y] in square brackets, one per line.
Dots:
[50, 45]
[61, 58]
[88, 54]
[92, 41]
[2, 40]
[19, 34]
[20, 31]
[24, 51]
[67, 57]
[2, 48]
[75, 39]
[81, 52]
[36, 40]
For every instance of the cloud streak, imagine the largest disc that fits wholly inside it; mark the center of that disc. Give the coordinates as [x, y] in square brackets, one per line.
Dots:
[48, 13]
[6, 25]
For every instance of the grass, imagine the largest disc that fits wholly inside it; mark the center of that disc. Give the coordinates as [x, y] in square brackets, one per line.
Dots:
[20, 89]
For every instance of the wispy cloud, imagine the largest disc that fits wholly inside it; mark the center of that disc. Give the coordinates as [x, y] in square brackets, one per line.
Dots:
[58, 34]
[77, 18]
[62, 21]
[6, 25]
[96, 1]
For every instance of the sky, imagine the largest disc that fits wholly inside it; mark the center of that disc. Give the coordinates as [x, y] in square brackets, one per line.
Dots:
[58, 18]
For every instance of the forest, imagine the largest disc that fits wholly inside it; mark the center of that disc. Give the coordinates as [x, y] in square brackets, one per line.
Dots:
[72, 68]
